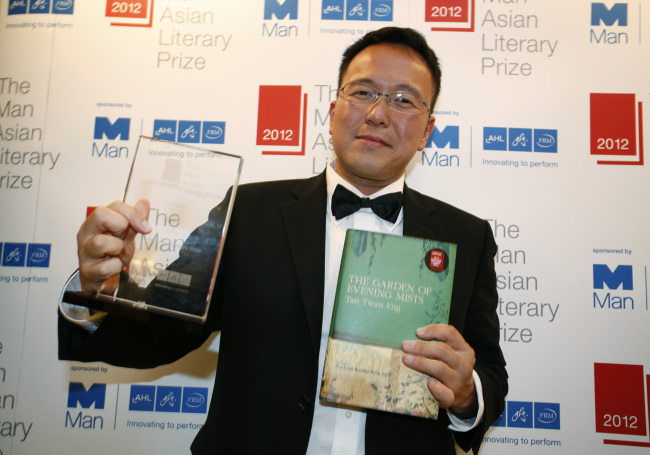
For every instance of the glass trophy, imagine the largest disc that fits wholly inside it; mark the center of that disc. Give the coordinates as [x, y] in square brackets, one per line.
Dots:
[174, 267]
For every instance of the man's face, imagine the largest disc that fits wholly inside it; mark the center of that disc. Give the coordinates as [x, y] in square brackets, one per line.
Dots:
[374, 144]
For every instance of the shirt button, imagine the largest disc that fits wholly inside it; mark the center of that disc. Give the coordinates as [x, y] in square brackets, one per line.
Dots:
[348, 414]
[303, 402]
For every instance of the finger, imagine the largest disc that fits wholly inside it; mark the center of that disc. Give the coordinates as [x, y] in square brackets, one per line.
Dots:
[100, 246]
[443, 332]
[440, 392]
[430, 349]
[115, 219]
[101, 276]
[431, 367]
[93, 275]
[138, 220]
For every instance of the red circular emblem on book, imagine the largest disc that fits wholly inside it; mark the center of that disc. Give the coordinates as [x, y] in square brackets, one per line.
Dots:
[436, 260]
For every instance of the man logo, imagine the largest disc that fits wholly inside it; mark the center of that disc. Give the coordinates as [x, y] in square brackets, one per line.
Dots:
[78, 395]
[280, 10]
[104, 127]
[448, 136]
[609, 16]
[622, 275]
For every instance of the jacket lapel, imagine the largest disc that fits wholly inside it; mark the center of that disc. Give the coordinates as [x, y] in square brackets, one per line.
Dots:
[418, 216]
[304, 220]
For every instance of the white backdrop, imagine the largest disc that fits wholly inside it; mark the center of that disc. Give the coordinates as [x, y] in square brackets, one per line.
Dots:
[538, 98]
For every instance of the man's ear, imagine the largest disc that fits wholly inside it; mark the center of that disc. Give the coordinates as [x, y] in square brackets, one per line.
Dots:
[332, 106]
[427, 132]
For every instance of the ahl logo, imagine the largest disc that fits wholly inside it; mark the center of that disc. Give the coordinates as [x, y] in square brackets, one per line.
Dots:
[450, 15]
[133, 13]
[192, 132]
[601, 15]
[526, 414]
[623, 412]
[26, 255]
[41, 7]
[193, 400]
[357, 10]
[520, 139]
[621, 277]
[615, 118]
[280, 111]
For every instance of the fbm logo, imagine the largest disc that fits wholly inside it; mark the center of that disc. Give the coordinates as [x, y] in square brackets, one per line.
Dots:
[602, 15]
[621, 276]
[117, 130]
[93, 397]
[280, 10]
[447, 137]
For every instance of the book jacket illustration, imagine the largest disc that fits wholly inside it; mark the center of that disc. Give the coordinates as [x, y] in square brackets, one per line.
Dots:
[388, 287]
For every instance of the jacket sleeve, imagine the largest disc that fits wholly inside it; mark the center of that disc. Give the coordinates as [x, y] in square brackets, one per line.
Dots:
[481, 331]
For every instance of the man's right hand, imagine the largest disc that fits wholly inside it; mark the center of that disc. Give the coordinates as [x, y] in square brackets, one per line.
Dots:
[106, 242]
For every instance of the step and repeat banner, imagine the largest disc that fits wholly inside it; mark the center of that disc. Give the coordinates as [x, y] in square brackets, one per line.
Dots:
[540, 129]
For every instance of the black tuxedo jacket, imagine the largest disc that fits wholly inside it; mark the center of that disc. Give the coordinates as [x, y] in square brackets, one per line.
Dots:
[268, 304]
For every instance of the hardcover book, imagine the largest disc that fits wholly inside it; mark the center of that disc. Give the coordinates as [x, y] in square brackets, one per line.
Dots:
[388, 287]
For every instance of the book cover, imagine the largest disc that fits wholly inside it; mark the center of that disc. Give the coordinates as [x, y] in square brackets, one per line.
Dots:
[388, 286]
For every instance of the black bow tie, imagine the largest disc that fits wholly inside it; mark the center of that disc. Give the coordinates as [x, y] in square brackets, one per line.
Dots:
[345, 202]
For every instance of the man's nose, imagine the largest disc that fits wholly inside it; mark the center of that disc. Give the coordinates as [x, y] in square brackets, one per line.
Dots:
[379, 111]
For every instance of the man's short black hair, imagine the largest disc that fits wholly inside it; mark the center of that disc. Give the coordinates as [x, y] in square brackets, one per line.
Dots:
[396, 35]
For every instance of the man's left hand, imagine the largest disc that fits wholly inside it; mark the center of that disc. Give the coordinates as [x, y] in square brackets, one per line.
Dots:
[443, 354]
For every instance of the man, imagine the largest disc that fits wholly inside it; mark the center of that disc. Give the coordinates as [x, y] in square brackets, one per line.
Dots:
[274, 295]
